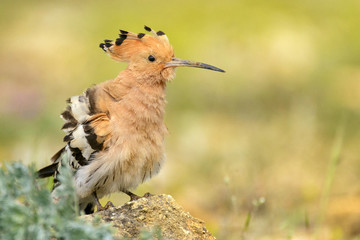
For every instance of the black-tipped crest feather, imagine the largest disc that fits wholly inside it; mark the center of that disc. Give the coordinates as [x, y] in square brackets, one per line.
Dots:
[160, 33]
[147, 28]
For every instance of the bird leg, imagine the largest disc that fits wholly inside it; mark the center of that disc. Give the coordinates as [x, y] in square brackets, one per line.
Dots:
[134, 197]
[98, 204]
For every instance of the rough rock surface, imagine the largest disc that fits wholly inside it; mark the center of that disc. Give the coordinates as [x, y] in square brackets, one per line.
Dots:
[151, 213]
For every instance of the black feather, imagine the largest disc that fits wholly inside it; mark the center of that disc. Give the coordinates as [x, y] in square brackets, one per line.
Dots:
[102, 46]
[119, 41]
[68, 138]
[76, 153]
[69, 125]
[91, 137]
[147, 28]
[160, 33]
[90, 94]
[57, 155]
[47, 171]
[67, 115]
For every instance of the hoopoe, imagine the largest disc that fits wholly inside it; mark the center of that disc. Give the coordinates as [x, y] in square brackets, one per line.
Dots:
[115, 130]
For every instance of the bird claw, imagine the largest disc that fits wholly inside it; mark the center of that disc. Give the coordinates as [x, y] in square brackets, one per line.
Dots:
[134, 197]
[98, 204]
[107, 206]
[148, 195]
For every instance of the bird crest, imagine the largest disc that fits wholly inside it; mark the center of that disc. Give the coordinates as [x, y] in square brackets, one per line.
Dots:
[129, 45]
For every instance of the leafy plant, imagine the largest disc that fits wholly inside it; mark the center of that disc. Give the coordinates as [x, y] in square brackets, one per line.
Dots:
[27, 210]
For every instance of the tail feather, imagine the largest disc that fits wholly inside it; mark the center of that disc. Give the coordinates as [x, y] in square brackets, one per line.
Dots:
[57, 155]
[48, 171]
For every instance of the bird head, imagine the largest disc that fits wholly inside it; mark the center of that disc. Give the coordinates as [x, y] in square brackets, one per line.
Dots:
[149, 56]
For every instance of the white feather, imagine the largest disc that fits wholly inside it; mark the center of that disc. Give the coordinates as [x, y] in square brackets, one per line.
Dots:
[80, 109]
[81, 142]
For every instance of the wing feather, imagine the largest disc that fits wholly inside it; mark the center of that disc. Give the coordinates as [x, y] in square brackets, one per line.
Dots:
[87, 132]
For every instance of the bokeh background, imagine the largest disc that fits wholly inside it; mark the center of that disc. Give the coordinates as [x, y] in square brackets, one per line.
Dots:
[269, 150]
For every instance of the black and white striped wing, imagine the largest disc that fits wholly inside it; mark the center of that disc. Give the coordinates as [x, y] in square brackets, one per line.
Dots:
[86, 133]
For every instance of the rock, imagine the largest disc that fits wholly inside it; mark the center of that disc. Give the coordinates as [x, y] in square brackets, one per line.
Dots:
[148, 214]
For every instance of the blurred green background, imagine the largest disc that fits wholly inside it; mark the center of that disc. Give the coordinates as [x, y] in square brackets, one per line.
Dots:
[269, 150]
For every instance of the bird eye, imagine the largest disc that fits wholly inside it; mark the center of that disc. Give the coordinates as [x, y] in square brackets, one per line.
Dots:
[151, 58]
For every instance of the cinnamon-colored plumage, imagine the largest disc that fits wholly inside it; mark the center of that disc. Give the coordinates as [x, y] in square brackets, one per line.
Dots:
[115, 130]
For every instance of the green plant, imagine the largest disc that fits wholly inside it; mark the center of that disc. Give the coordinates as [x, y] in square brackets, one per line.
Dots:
[27, 210]
[334, 162]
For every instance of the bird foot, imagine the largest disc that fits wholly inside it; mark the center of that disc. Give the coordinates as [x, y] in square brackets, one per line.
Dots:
[134, 197]
[107, 206]
[98, 204]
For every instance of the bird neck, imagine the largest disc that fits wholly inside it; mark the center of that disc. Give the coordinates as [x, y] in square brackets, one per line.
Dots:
[144, 77]
[153, 84]
[145, 96]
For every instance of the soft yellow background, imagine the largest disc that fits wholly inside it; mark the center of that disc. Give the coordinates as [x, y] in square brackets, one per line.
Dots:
[264, 131]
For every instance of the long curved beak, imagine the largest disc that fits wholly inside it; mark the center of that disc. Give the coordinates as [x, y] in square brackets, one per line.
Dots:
[177, 62]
